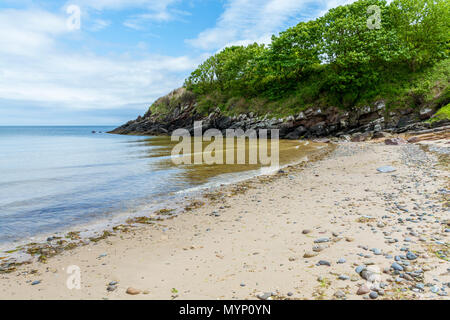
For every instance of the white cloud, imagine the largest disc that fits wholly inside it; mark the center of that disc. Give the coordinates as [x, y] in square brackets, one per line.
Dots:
[154, 10]
[24, 32]
[247, 21]
[34, 68]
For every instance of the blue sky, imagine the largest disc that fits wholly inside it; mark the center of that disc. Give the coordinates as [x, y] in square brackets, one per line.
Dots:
[124, 55]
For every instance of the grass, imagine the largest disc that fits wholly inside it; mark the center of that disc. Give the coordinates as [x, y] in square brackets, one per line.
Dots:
[442, 114]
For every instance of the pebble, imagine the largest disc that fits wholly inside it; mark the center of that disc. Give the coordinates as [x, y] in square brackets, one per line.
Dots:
[362, 290]
[396, 267]
[133, 291]
[264, 296]
[373, 295]
[386, 169]
[111, 288]
[360, 269]
[319, 248]
[324, 263]
[411, 256]
[322, 240]
[310, 254]
[34, 283]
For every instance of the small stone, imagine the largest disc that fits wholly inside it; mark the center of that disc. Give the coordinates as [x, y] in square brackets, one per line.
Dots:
[133, 291]
[264, 296]
[339, 294]
[322, 240]
[319, 248]
[411, 256]
[341, 261]
[324, 263]
[396, 267]
[35, 283]
[306, 231]
[111, 288]
[373, 295]
[360, 269]
[362, 290]
[344, 277]
[310, 254]
[386, 169]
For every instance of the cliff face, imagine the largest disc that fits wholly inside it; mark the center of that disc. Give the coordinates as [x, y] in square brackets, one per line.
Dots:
[178, 110]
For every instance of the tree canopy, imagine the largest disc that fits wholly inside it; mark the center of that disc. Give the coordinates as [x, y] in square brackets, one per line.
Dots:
[347, 53]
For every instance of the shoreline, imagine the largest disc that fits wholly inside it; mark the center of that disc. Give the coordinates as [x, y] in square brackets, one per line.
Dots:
[226, 249]
[14, 255]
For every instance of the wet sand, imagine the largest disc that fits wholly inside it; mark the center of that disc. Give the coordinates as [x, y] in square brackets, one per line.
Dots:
[278, 237]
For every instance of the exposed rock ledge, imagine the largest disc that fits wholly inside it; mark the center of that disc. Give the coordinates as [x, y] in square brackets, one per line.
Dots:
[359, 124]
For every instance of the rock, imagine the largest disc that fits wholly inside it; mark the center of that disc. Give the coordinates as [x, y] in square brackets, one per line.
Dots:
[306, 231]
[341, 261]
[264, 296]
[133, 291]
[360, 137]
[344, 277]
[386, 169]
[322, 240]
[111, 288]
[396, 267]
[411, 256]
[413, 140]
[360, 269]
[373, 295]
[379, 135]
[394, 141]
[319, 248]
[362, 290]
[35, 283]
[324, 263]
[426, 113]
[339, 294]
[310, 254]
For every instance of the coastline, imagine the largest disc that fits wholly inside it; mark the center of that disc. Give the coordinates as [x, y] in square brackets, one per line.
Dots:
[41, 247]
[253, 238]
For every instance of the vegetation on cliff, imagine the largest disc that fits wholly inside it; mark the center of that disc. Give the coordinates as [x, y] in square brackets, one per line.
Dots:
[343, 59]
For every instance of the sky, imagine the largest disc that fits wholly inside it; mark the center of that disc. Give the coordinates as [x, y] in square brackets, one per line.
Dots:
[103, 62]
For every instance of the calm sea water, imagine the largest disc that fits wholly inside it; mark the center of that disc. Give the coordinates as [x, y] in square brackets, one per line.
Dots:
[52, 178]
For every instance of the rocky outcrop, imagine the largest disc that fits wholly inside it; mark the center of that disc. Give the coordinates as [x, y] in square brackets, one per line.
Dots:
[358, 124]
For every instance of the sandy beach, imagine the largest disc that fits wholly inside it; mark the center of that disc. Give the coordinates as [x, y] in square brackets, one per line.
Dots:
[335, 228]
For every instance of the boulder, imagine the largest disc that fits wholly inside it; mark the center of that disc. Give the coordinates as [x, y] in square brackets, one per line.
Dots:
[395, 141]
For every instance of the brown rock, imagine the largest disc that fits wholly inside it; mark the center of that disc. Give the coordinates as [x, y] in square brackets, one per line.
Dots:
[395, 141]
[310, 254]
[363, 290]
[133, 291]
[413, 140]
